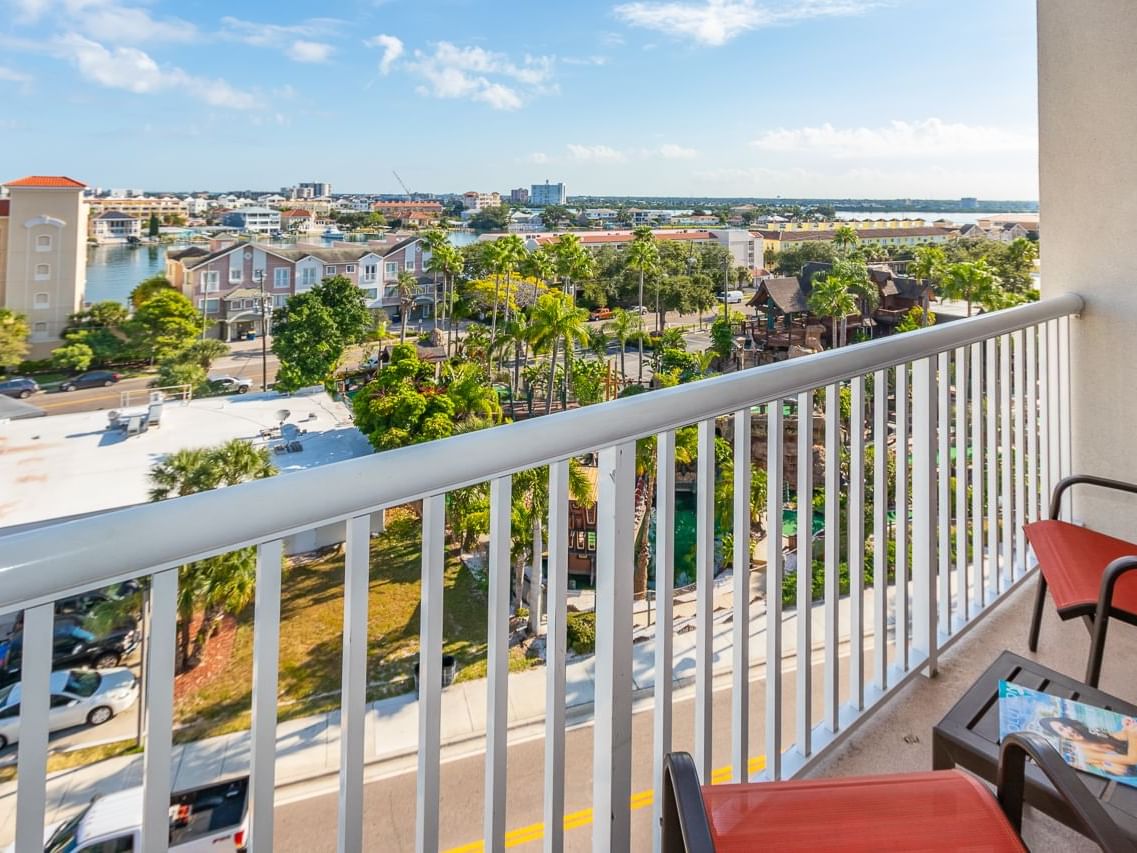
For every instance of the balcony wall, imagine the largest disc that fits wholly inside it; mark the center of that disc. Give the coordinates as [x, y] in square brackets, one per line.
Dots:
[1088, 171]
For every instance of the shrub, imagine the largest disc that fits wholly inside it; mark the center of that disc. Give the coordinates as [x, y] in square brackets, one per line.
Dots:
[580, 631]
[181, 373]
[76, 357]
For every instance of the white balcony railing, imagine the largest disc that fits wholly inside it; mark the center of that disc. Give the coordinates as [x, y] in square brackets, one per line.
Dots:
[993, 391]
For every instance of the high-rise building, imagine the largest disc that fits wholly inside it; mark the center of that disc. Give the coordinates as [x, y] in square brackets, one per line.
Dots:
[43, 255]
[544, 194]
[968, 203]
[314, 189]
[519, 196]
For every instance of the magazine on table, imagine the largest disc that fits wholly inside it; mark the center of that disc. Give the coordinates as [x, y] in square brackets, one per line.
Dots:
[1091, 739]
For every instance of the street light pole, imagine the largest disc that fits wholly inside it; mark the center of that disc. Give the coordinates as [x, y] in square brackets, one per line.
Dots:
[726, 287]
[266, 315]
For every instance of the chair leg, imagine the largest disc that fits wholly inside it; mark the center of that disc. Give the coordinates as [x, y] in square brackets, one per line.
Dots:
[1036, 618]
[1097, 649]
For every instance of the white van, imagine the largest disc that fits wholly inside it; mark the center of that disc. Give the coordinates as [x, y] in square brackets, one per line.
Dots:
[732, 297]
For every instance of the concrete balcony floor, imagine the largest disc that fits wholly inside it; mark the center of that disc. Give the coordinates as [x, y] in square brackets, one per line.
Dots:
[898, 739]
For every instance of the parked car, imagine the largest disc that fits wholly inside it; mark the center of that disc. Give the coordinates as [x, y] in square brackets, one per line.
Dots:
[73, 645]
[732, 297]
[81, 605]
[640, 309]
[78, 697]
[209, 819]
[19, 386]
[90, 379]
[230, 384]
[600, 314]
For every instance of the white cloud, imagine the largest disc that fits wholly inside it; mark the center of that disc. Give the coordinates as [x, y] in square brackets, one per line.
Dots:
[537, 158]
[584, 60]
[477, 74]
[11, 75]
[309, 51]
[715, 22]
[392, 50]
[671, 151]
[136, 71]
[108, 21]
[596, 153]
[927, 138]
[299, 42]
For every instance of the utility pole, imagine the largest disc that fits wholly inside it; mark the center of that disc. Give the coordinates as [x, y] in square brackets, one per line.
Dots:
[726, 287]
[266, 316]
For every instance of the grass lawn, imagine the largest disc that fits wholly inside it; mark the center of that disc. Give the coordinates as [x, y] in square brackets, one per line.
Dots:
[311, 636]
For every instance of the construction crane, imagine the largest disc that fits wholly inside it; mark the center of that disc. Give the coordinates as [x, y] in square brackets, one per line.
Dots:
[403, 184]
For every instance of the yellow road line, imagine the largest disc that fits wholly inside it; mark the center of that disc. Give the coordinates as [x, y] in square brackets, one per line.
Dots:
[575, 820]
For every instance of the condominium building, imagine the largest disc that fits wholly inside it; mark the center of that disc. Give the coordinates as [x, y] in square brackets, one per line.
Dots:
[43, 255]
[254, 220]
[776, 240]
[114, 226]
[477, 201]
[140, 208]
[542, 195]
[224, 281]
[519, 196]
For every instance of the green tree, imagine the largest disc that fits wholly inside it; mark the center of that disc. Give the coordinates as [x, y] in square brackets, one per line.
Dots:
[14, 333]
[643, 257]
[450, 262]
[503, 256]
[928, 264]
[348, 307]
[165, 324]
[147, 288]
[307, 342]
[105, 329]
[842, 290]
[403, 405]
[73, 357]
[555, 214]
[406, 286]
[491, 218]
[471, 395]
[794, 256]
[218, 585]
[970, 281]
[625, 324]
[845, 238]
[171, 373]
[154, 228]
[555, 320]
[916, 319]
[204, 352]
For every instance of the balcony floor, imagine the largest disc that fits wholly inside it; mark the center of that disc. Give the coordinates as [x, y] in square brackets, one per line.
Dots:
[898, 739]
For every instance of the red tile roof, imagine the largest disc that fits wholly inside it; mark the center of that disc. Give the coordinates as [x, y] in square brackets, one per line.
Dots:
[594, 238]
[47, 181]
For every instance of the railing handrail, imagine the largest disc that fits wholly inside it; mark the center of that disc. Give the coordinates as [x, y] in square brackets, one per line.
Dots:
[55, 560]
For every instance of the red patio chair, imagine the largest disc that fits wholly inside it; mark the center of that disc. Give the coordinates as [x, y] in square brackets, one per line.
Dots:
[937, 810]
[1085, 571]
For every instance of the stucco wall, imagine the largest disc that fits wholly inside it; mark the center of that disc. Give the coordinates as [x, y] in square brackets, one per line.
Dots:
[1088, 176]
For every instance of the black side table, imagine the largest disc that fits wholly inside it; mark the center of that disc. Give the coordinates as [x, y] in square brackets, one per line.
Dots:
[969, 737]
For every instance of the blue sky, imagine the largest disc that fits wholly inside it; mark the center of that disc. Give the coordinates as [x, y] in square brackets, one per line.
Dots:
[875, 98]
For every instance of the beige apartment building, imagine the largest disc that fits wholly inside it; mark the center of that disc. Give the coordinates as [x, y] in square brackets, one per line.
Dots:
[43, 255]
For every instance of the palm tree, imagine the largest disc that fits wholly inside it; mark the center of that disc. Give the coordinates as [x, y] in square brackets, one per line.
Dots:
[540, 265]
[472, 396]
[406, 285]
[567, 253]
[845, 238]
[503, 256]
[969, 281]
[556, 319]
[643, 255]
[530, 514]
[624, 324]
[222, 584]
[449, 261]
[434, 240]
[831, 298]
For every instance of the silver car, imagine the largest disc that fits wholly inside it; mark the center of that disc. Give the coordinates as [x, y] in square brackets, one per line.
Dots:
[78, 697]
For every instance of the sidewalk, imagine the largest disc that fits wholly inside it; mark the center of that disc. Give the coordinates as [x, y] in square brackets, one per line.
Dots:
[308, 748]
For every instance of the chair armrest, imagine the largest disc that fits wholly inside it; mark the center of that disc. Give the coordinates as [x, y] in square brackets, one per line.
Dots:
[686, 827]
[1113, 573]
[1011, 785]
[1088, 480]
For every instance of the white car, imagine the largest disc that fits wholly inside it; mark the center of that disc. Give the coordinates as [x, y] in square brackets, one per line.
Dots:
[78, 697]
[231, 384]
[639, 309]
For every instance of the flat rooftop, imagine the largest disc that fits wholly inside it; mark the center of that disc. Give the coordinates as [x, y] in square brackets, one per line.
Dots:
[67, 465]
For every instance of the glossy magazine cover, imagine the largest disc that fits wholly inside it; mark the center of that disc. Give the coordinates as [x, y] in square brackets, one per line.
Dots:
[1091, 739]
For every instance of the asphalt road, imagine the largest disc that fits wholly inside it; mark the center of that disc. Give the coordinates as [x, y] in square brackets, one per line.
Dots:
[389, 803]
[87, 399]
